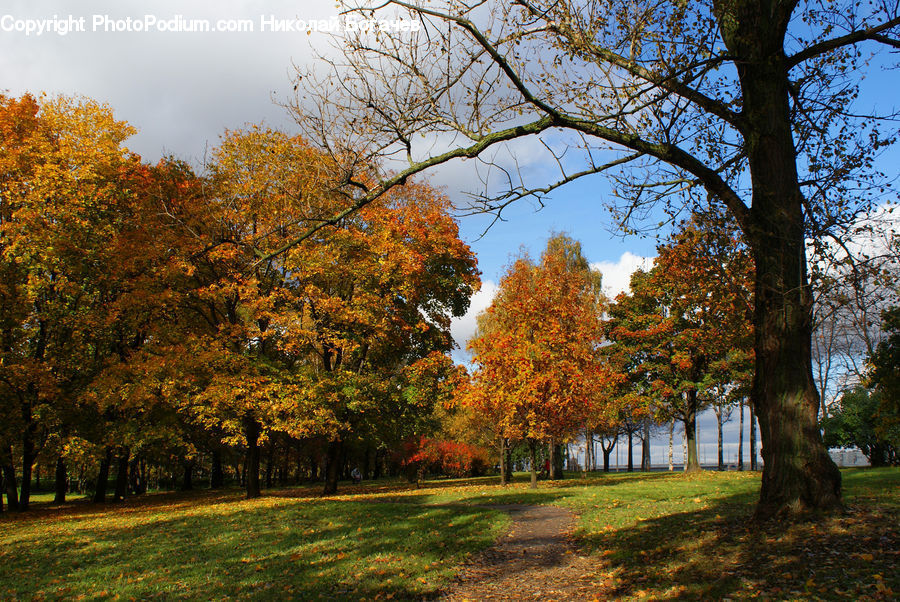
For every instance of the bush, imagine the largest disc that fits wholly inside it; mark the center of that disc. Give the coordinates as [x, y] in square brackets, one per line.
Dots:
[445, 458]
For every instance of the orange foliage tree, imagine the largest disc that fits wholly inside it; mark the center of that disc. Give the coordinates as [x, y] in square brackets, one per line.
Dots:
[685, 330]
[536, 349]
[148, 308]
[78, 263]
[330, 338]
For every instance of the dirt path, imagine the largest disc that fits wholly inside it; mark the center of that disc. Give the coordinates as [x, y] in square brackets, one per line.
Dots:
[536, 560]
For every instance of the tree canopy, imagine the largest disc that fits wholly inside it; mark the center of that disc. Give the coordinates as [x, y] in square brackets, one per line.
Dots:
[745, 102]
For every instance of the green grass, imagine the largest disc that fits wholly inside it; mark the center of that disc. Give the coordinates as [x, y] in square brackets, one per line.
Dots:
[652, 536]
[47, 497]
[669, 535]
[206, 547]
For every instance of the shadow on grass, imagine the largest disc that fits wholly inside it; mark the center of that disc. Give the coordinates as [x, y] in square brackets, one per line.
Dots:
[717, 552]
[329, 549]
[292, 544]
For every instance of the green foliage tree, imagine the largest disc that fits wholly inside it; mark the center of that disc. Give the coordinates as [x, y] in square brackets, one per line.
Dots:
[884, 375]
[855, 422]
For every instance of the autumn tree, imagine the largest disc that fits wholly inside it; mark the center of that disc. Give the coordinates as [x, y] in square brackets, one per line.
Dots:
[683, 333]
[536, 349]
[73, 253]
[334, 338]
[748, 102]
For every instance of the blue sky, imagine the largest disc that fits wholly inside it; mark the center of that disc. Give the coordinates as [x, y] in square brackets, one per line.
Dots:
[181, 90]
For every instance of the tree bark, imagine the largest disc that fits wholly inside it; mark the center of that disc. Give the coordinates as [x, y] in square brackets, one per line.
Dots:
[692, 462]
[270, 463]
[741, 437]
[367, 461]
[671, 442]
[121, 475]
[9, 479]
[314, 467]
[504, 468]
[187, 482]
[645, 447]
[103, 477]
[216, 474]
[332, 467]
[532, 449]
[557, 458]
[252, 430]
[720, 466]
[28, 457]
[798, 473]
[607, 452]
[630, 450]
[61, 481]
[588, 451]
[753, 458]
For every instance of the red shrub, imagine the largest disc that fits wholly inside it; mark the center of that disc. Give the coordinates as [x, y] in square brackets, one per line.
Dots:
[447, 458]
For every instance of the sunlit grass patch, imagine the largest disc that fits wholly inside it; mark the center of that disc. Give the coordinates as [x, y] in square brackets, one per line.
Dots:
[228, 547]
[671, 535]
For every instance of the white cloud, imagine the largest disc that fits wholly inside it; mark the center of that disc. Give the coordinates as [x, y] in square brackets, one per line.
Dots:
[180, 89]
[463, 328]
[617, 275]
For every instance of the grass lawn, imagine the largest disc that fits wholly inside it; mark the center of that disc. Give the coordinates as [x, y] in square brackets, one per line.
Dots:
[214, 546]
[653, 536]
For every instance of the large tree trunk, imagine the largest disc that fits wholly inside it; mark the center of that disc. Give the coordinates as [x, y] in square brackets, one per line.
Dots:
[692, 462]
[9, 478]
[61, 481]
[252, 431]
[216, 474]
[798, 473]
[121, 475]
[332, 467]
[103, 477]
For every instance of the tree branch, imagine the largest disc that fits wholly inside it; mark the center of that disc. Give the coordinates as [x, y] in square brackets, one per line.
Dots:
[872, 33]
[399, 179]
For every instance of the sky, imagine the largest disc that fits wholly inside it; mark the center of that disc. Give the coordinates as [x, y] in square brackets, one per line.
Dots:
[182, 89]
